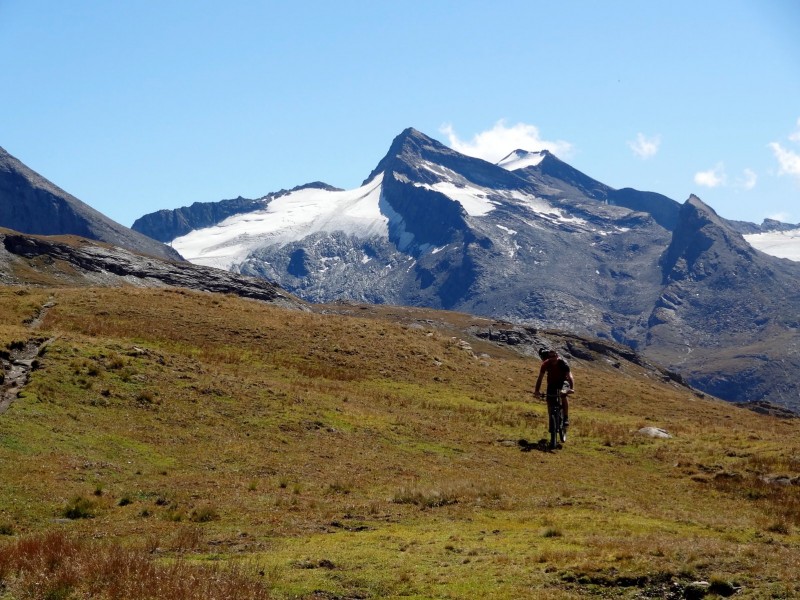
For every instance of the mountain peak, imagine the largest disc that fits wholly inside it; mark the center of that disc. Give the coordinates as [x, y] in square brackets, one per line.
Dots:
[698, 212]
[700, 242]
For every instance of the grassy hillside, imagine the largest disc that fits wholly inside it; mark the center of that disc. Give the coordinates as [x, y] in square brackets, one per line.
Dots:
[291, 454]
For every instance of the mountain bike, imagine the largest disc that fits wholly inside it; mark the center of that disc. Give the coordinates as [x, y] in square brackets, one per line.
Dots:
[555, 416]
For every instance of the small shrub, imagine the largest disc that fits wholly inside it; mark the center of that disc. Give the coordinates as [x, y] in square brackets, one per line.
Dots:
[204, 514]
[721, 587]
[116, 362]
[145, 397]
[175, 515]
[6, 529]
[552, 532]
[187, 539]
[79, 508]
[781, 527]
[339, 487]
[125, 501]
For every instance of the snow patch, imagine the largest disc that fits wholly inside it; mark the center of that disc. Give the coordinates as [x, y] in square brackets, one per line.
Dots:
[520, 159]
[290, 217]
[783, 244]
[473, 199]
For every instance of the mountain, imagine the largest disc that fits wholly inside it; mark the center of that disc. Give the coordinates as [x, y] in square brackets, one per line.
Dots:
[30, 203]
[732, 311]
[528, 240]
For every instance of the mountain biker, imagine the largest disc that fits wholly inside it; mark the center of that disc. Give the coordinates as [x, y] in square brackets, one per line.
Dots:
[558, 373]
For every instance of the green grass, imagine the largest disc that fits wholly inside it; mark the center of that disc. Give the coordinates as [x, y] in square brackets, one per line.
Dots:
[356, 457]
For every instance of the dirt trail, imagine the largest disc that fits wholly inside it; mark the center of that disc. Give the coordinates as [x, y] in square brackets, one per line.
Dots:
[20, 362]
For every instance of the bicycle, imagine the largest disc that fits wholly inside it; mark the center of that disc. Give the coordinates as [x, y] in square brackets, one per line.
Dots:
[555, 416]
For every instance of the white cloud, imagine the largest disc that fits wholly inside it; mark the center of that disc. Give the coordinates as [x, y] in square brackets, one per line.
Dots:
[788, 159]
[748, 179]
[499, 141]
[645, 147]
[712, 178]
[795, 137]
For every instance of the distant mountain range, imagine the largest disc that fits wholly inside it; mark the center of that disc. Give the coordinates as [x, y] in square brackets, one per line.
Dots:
[529, 240]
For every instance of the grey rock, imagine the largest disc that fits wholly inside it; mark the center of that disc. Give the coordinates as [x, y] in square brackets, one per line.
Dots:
[97, 264]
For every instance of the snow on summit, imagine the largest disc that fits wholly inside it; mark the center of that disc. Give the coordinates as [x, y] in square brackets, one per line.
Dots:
[287, 218]
[519, 159]
[359, 213]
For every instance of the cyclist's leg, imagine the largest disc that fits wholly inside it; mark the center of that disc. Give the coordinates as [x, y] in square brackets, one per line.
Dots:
[551, 403]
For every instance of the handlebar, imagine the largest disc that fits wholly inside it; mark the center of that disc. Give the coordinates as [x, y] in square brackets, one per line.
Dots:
[543, 395]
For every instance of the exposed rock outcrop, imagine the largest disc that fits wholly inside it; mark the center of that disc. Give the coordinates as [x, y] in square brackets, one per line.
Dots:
[69, 260]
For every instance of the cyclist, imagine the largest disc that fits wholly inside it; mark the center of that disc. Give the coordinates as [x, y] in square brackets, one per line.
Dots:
[558, 373]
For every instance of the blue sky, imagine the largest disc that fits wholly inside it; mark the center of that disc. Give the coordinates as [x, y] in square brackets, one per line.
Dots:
[137, 105]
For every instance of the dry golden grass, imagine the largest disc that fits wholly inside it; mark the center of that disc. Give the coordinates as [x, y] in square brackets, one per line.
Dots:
[55, 566]
[370, 456]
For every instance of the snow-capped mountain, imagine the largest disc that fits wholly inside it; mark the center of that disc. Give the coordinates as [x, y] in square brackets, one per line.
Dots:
[529, 239]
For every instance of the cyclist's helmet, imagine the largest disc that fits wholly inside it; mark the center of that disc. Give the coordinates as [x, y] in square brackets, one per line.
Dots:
[544, 352]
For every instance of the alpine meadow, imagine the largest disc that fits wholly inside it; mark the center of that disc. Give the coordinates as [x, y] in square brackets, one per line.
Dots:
[353, 300]
[172, 443]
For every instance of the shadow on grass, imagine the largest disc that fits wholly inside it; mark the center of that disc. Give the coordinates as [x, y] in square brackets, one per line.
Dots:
[542, 446]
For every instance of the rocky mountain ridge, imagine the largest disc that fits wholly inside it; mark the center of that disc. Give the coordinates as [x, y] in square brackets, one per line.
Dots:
[57, 261]
[32, 204]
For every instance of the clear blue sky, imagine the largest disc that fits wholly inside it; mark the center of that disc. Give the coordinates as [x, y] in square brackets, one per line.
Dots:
[137, 105]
